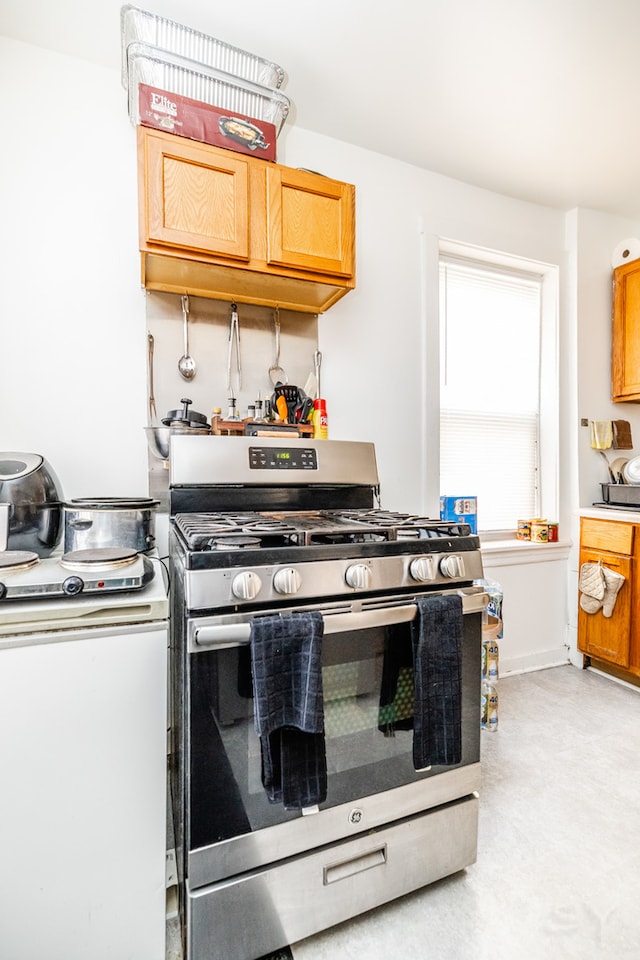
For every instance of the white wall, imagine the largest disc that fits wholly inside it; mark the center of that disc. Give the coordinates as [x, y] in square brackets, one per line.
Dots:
[596, 237]
[73, 357]
[374, 340]
[73, 344]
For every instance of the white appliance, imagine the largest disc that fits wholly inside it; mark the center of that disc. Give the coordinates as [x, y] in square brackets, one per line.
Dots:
[83, 738]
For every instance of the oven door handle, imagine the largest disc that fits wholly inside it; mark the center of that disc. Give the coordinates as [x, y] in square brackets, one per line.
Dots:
[233, 634]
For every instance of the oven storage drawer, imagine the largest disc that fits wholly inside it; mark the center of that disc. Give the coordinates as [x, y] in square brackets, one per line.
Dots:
[264, 910]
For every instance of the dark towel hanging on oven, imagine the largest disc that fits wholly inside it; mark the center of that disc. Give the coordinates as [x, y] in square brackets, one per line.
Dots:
[434, 651]
[437, 653]
[286, 669]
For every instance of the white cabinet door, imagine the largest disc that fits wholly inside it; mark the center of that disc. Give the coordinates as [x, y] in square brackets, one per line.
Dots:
[83, 796]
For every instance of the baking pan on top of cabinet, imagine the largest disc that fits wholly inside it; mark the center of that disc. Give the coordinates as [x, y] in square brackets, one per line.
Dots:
[174, 74]
[140, 26]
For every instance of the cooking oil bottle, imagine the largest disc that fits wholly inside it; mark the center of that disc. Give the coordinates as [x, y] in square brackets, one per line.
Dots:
[320, 420]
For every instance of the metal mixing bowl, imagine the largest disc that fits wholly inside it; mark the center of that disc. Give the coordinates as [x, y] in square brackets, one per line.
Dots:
[158, 440]
[158, 437]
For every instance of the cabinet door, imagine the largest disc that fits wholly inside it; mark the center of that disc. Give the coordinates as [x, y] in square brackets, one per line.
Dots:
[195, 198]
[608, 638]
[310, 222]
[625, 371]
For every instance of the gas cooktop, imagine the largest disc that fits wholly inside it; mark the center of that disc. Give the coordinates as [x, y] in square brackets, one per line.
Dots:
[256, 530]
[230, 559]
[25, 575]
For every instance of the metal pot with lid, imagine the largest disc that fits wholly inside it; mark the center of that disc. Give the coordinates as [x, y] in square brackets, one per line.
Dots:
[30, 504]
[91, 524]
[175, 422]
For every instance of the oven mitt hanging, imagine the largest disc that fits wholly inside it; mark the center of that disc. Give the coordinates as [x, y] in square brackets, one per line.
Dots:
[592, 587]
[599, 587]
[613, 583]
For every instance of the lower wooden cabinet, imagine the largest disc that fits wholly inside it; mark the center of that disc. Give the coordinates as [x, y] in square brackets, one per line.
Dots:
[608, 638]
[613, 640]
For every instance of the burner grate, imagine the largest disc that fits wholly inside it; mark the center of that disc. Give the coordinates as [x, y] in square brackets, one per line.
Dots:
[204, 531]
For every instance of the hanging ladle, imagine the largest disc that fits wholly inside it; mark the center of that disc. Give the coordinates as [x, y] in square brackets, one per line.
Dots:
[186, 364]
[276, 373]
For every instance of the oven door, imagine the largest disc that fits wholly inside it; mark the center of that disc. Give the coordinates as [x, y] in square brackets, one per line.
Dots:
[230, 824]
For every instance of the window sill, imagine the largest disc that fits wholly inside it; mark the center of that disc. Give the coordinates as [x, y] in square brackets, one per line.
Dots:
[511, 550]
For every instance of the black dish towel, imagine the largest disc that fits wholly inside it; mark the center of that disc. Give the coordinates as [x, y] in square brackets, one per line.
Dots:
[286, 669]
[437, 663]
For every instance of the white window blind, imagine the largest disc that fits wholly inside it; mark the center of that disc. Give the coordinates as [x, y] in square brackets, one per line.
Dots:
[490, 326]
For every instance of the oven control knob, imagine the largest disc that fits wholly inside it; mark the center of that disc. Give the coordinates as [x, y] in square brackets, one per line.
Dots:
[72, 586]
[246, 585]
[452, 566]
[358, 575]
[287, 581]
[421, 569]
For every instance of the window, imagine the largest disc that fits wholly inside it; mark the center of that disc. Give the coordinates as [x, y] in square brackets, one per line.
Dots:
[493, 415]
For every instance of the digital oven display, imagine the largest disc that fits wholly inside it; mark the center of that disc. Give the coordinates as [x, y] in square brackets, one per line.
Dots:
[283, 458]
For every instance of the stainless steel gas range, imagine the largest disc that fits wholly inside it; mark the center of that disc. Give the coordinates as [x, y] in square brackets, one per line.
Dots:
[276, 535]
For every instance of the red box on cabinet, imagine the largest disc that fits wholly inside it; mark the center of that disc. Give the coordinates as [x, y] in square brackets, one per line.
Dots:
[200, 121]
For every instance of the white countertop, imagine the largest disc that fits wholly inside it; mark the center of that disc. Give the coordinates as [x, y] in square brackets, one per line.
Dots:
[611, 513]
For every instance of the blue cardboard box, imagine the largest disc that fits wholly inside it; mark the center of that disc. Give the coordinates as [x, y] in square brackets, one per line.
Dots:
[460, 510]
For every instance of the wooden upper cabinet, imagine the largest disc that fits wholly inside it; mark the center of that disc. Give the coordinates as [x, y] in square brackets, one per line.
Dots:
[215, 223]
[625, 372]
[311, 221]
[195, 200]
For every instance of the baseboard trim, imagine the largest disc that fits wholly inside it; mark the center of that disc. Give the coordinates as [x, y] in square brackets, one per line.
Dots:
[557, 657]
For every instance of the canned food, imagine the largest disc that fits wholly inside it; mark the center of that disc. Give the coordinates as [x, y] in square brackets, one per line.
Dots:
[539, 531]
[524, 530]
[553, 533]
